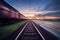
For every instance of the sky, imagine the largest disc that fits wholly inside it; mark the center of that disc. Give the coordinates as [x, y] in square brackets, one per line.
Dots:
[35, 6]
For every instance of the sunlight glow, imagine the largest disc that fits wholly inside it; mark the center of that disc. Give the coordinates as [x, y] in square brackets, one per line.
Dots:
[29, 15]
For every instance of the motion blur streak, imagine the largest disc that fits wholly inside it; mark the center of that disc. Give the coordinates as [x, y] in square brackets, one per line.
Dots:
[52, 27]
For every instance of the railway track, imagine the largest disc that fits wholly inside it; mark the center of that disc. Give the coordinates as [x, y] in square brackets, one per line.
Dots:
[29, 32]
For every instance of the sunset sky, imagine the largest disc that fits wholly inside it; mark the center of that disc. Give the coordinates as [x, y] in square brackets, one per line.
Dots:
[35, 7]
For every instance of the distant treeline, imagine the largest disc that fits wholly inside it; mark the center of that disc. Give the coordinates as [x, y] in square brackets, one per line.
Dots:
[50, 19]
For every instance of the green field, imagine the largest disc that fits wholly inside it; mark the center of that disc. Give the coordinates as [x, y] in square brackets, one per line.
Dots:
[9, 28]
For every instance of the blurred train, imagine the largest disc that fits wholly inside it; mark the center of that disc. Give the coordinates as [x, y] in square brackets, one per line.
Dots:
[8, 14]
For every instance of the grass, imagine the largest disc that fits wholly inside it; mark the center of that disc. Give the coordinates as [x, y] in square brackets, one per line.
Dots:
[9, 29]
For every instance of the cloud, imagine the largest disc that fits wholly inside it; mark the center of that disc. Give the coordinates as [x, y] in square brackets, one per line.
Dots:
[45, 12]
[53, 5]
